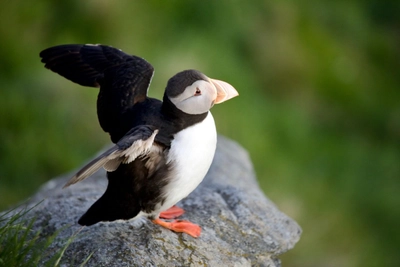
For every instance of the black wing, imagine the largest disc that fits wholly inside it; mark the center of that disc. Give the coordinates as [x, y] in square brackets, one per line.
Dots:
[123, 79]
[137, 142]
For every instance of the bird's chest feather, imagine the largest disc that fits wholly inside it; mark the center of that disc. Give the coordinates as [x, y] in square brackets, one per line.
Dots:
[190, 157]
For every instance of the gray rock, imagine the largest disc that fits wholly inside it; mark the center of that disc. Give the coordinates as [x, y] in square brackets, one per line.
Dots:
[240, 226]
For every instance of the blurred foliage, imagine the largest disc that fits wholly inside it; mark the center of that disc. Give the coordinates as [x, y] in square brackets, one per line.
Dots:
[318, 108]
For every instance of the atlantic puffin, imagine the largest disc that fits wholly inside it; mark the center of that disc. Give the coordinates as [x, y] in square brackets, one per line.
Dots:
[163, 149]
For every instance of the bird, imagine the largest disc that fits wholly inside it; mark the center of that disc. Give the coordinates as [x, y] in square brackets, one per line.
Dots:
[162, 149]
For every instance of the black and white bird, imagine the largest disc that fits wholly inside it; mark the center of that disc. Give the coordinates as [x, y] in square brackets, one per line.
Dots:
[163, 149]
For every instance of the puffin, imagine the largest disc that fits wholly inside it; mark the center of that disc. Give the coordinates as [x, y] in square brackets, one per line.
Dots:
[162, 149]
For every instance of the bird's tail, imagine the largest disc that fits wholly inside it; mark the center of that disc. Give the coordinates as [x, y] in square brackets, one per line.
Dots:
[110, 208]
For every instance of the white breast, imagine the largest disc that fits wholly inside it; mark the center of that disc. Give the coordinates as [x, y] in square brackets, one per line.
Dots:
[191, 154]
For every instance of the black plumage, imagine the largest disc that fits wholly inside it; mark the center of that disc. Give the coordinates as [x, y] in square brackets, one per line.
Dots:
[123, 104]
[143, 128]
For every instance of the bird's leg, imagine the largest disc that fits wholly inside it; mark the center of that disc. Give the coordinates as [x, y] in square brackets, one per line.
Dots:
[172, 213]
[180, 227]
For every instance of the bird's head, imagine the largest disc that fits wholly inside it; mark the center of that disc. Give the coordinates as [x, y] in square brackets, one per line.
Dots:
[194, 93]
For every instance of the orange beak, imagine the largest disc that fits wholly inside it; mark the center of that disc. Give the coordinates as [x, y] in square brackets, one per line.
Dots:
[225, 91]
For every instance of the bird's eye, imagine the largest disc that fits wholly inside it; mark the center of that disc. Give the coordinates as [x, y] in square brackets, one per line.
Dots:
[198, 92]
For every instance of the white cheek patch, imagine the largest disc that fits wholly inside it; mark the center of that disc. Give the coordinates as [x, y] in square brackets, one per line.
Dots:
[191, 103]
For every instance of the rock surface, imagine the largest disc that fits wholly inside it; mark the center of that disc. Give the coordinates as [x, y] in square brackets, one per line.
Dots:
[240, 226]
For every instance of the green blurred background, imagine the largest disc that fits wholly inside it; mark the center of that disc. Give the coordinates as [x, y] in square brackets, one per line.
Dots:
[318, 110]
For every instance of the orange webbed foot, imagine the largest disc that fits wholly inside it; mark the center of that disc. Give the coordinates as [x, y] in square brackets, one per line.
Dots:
[172, 213]
[181, 227]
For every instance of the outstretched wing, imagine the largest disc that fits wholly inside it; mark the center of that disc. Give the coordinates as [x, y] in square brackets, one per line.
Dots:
[137, 142]
[123, 79]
